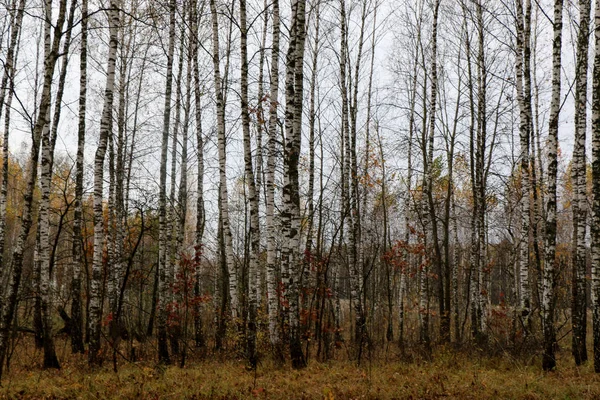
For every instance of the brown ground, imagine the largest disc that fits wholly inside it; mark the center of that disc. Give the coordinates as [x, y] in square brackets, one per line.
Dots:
[450, 374]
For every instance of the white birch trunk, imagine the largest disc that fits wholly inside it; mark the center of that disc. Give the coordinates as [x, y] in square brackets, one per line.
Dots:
[8, 82]
[77, 252]
[200, 212]
[524, 126]
[291, 195]
[272, 282]
[47, 161]
[595, 226]
[548, 297]
[94, 318]
[579, 204]
[252, 194]
[163, 289]
[223, 204]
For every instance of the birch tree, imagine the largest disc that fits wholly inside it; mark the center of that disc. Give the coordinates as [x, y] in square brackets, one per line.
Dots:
[182, 208]
[524, 124]
[595, 226]
[291, 196]
[412, 101]
[77, 252]
[428, 157]
[172, 246]
[474, 155]
[578, 178]
[200, 211]
[221, 139]
[47, 160]
[549, 280]
[51, 54]
[481, 176]
[254, 231]
[272, 282]
[163, 350]
[8, 79]
[95, 310]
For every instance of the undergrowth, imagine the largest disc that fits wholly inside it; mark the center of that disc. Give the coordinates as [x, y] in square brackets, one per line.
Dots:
[448, 373]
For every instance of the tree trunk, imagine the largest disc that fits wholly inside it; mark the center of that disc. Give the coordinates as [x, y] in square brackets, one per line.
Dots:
[94, 318]
[482, 293]
[408, 195]
[579, 207]
[450, 223]
[77, 252]
[163, 289]
[423, 272]
[200, 212]
[549, 280]
[595, 227]
[8, 82]
[308, 250]
[428, 170]
[181, 278]
[47, 161]
[272, 282]
[473, 284]
[524, 125]
[252, 195]
[291, 191]
[223, 203]
[173, 256]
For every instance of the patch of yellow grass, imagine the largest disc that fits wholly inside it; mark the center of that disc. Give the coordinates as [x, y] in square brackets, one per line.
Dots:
[449, 375]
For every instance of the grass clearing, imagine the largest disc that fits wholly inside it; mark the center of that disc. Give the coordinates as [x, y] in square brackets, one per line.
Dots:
[450, 374]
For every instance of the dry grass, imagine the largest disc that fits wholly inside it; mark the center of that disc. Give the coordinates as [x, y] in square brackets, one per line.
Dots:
[450, 374]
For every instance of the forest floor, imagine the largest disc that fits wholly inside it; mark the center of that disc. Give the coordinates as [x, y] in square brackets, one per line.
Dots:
[449, 374]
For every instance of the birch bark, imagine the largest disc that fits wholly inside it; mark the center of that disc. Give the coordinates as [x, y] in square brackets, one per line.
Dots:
[524, 126]
[200, 211]
[223, 203]
[579, 204]
[482, 81]
[272, 281]
[549, 282]
[163, 290]
[291, 194]
[105, 132]
[47, 161]
[252, 194]
[77, 252]
[8, 82]
[595, 226]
